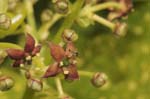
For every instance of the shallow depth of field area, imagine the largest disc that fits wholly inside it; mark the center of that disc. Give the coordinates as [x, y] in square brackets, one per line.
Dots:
[125, 60]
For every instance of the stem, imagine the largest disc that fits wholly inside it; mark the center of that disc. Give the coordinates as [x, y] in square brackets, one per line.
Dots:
[28, 94]
[86, 73]
[30, 18]
[103, 21]
[59, 86]
[9, 45]
[49, 24]
[106, 5]
[69, 19]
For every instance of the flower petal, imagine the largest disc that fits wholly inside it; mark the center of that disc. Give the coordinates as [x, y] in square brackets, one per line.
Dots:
[36, 50]
[30, 43]
[71, 51]
[15, 54]
[57, 52]
[52, 70]
[73, 74]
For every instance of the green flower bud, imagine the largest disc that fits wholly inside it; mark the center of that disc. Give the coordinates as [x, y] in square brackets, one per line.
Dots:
[3, 55]
[5, 21]
[121, 29]
[46, 15]
[99, 79]
[12, 4]
[62, 6]
[6, 83]
[69, 35]
[35, 84]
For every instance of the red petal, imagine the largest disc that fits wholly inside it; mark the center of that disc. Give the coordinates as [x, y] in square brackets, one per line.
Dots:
[52, 70]
[71, 51]
[57, 52]
[17, 63]
[73, 74]
[36, 50]
[30, 43]
[15, 54]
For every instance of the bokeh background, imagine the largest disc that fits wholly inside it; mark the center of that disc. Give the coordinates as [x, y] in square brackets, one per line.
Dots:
[126, 61]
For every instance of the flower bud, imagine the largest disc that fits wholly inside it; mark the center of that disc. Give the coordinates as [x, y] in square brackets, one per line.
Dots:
[6, 83]
[3, 55]
[121, 29]
[35, 84]
[69, 35]
[84, 22]
[62, 6]
[12, 4]
[46, 15]
[5, 21]
[99, 79]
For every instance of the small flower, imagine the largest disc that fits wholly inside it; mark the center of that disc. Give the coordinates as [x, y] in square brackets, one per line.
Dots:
[61, 6]
[62, 62]
[69, 35]
[35, 84]
[99, 79]
[121, 29]
[46, 15]
[6, 83]
[126, 8]
[24, 56]
[5, 21]
[3, 55]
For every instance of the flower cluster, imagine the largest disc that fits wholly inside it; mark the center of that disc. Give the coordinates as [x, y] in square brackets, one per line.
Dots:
[22, 57]
[65, 58]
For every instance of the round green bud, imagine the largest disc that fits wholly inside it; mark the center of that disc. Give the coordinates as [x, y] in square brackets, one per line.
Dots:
[12, 4]
[99, 79]
[69, 35]
[46, 15]
[35, 84]
[6, 83]
[5, 21]
[3, 55]
[62, 6]
[121, 29]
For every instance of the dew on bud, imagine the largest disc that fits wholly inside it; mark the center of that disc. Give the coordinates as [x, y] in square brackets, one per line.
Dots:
[35, 84]
[69, 35]
[99, 79]
[5, 21]
[61, 6]
[6, 83]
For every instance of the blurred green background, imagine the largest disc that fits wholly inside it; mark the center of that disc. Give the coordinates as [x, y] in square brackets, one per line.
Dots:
[126, 61]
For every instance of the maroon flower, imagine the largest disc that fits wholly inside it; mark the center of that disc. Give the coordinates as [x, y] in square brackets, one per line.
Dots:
[64, 61]
[24, 56]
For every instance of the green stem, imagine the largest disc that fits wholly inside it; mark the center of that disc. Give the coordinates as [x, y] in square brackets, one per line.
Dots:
[59, 87]
[30, 18]
[69, 19]
[9, 45]
[103, 21]
[86, 73]
[28, 94]
[105, 6]
[49, 24]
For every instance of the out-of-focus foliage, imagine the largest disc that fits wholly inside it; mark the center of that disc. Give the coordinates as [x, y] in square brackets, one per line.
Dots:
[125, 61]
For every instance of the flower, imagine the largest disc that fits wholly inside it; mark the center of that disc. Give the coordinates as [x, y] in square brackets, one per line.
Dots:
[24, 56]
[126, 7]
[64, 61]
